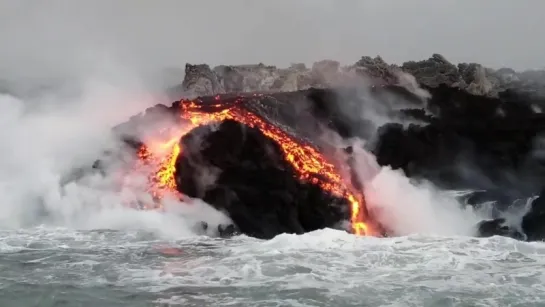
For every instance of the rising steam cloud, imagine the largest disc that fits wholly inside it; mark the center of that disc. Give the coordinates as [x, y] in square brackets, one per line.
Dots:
[402, 205]
[45, 137]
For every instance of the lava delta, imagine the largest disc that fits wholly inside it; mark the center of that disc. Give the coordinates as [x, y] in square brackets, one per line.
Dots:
[269, 181]
[262, 158]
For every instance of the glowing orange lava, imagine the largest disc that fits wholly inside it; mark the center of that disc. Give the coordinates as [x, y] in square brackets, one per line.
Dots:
[161, 153]
[307, 161]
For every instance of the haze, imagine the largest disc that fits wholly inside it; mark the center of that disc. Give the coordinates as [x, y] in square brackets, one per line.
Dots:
[55, 38]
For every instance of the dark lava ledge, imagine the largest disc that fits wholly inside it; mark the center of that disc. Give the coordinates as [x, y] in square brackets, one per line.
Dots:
[256, 186]
[458, 141]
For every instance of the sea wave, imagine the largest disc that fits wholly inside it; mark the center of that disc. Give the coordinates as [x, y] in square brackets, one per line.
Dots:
[321, 268]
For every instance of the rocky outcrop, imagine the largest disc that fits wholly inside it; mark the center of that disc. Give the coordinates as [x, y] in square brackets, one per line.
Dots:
[200, 80]
[239, 170]
[478, 143]
[533, 223]
[433, 72]
[254, 183]
[491, 135]
[498, 227]
[461, 126]
[462, 141]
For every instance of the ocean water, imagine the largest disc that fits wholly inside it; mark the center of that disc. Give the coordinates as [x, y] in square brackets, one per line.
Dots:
[61, 267]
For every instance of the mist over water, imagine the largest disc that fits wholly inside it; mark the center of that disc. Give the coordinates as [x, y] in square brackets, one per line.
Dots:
[44, 144]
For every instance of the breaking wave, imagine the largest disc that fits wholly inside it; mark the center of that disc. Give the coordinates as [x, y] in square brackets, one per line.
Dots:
[315, 269]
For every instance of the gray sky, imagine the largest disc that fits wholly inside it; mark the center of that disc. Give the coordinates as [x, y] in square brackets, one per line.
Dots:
[40, 38]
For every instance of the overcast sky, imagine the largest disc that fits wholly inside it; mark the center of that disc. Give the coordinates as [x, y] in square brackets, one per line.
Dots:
[54, 37]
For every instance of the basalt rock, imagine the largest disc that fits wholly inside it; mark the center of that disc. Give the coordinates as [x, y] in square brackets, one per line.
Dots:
[531, 228]
[459, 141]
[465, 135]
[498, 227]
[472, 78]
[253, 182]
[472, 142]
[533, 223]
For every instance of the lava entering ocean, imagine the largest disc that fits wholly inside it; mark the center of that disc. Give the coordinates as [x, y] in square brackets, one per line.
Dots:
[311, 166]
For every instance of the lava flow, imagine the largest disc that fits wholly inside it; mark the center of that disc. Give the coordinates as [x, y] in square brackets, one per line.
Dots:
[307, 161]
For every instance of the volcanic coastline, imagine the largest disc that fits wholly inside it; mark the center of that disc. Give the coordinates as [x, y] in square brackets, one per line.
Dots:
[249, 140]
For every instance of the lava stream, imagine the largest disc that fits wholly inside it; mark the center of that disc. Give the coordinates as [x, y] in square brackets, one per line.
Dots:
[308, 162]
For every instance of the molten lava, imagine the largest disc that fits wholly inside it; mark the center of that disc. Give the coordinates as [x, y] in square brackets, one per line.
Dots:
[307, 161]
[160, 153]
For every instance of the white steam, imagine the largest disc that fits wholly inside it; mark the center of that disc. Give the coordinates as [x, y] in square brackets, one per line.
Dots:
[407, 208]
[402, 205]
[45, 137]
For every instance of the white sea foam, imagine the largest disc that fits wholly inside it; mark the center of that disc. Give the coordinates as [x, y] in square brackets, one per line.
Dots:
[315, 269]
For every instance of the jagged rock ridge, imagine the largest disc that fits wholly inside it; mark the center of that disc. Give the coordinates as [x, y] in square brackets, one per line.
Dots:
[471, 77]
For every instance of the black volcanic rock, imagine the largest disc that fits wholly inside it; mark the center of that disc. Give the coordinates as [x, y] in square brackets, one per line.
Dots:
[477, 131]
[252, 182]
[533, 223]
[435, 71]
[461, 141]
[497, 227]
[476, 143]
[466, 133]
